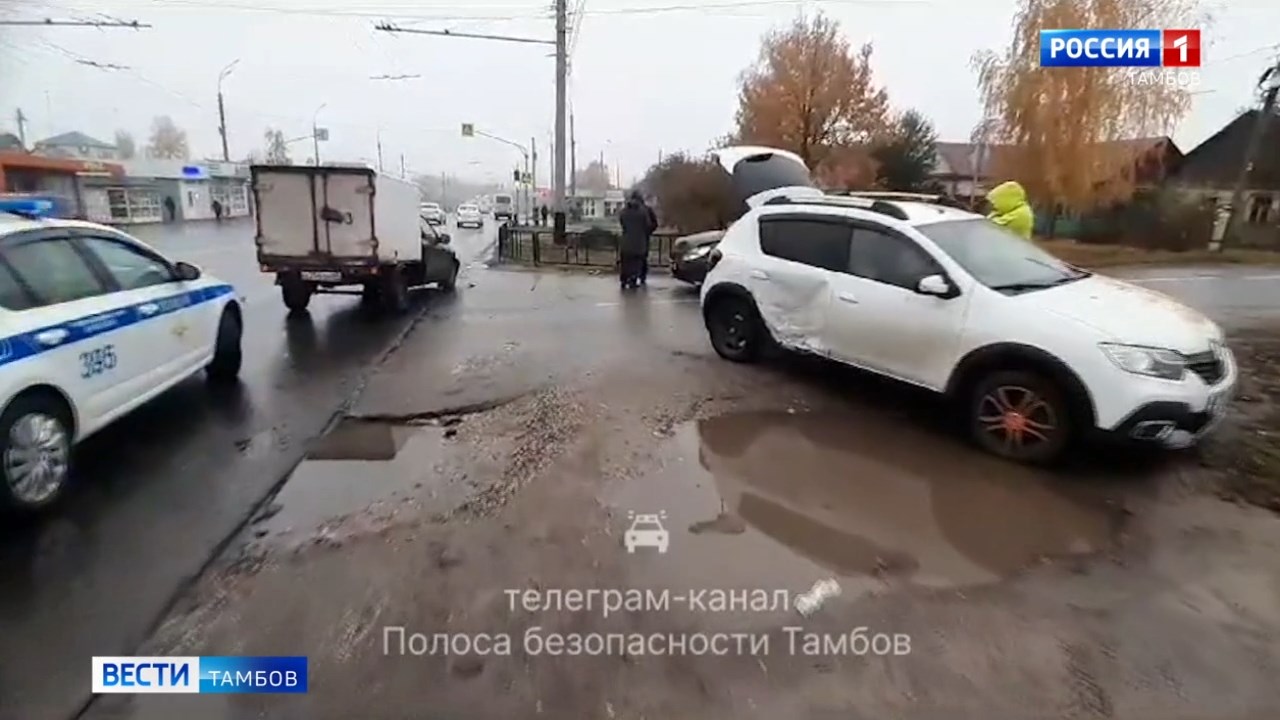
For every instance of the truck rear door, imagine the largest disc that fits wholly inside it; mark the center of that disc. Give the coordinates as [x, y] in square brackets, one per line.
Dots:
[316, 215]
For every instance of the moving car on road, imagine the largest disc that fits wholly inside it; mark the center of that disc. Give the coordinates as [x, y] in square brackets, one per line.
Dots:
[691, 255]
[469, 216]
[1037, 353]
[504, 208]
[432, 213]
[93, 323]
[325, 229]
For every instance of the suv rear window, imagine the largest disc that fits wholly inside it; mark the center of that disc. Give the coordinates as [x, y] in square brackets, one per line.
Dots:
[811, 241]
[506, 199]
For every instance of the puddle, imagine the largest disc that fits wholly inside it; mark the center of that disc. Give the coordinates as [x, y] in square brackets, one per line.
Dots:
[774, 499]
[372, 468]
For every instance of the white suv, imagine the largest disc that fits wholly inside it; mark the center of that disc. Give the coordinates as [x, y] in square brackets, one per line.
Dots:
[1038, 353]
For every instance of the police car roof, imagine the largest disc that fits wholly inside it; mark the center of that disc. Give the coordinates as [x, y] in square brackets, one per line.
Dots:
[11, 223]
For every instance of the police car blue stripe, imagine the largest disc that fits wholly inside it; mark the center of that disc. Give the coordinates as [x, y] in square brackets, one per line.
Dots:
[24, 345]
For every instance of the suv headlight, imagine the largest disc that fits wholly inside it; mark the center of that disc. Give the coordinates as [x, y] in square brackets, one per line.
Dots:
[698, 252]
[1149, 361]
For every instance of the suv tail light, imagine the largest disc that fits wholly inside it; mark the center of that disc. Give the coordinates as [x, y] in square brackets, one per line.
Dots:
[714, 259]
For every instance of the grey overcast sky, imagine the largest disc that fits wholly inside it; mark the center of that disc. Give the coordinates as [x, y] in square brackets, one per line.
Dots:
[648, 75]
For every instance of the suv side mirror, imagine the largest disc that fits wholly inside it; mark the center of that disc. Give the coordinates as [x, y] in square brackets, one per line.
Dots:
[444, 239]
[935, 285]
[186, 271]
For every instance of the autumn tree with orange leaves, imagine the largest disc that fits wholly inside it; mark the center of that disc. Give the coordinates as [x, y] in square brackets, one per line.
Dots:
[811, 93]
[1058, 130]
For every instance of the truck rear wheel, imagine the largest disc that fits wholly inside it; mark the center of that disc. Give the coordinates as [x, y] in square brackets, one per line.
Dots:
[395, 291]
[296, 294]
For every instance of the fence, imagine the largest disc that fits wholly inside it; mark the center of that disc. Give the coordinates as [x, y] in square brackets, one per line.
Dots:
[595, 247]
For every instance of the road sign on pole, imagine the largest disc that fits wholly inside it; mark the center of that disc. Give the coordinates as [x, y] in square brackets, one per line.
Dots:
[322, 134]
[468, 130]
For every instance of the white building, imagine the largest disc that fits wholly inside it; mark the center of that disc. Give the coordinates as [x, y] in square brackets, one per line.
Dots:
[169, 191]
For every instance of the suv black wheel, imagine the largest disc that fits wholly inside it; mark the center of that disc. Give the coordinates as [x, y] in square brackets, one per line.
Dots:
[737, 333]
[225, 366]
[35, 452]
[1021, 416]
[451, 282]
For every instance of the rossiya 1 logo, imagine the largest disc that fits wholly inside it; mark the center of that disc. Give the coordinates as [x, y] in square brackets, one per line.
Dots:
[1120, 48]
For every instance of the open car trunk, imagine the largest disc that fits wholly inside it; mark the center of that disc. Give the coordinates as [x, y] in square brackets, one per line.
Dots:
[758, 174]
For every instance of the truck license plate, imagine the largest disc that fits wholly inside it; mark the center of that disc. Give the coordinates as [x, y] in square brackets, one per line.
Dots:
[321, 276]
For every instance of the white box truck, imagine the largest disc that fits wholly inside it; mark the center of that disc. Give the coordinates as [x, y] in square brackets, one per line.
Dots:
[346, 229]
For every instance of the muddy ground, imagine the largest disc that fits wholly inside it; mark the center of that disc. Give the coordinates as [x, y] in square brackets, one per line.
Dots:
[1118, 587]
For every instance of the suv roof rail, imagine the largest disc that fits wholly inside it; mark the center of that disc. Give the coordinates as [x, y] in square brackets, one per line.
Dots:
[862, 203]
[890, 195]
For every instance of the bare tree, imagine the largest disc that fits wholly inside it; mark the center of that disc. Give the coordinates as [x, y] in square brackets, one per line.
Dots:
[126, 148]
[168, 141]
[277, 149]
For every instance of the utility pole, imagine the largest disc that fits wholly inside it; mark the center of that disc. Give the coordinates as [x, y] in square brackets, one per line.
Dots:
[222, 114]
[533, 173]
[22, 129]
[379, 151]
[315, 132]
[1270, 83]
[573, 160]
[562, 71]
[444, 192]
[402, 173]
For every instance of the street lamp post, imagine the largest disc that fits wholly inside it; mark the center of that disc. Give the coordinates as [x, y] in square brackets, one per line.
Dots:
[315, 132]
[222, 115]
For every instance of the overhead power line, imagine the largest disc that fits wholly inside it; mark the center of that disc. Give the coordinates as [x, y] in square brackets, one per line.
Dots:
[50, 22]
[394, 77]
[388, 27]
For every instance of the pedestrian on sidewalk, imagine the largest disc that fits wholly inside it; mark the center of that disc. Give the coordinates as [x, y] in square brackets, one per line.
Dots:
[545, 212]
[638, 223]
[217, 210]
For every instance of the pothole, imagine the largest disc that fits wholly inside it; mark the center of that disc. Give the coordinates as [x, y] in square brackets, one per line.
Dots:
[776, 498]
[362, 474]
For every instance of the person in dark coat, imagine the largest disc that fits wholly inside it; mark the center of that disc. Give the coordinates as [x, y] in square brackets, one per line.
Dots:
[545, 212]
[638, 223]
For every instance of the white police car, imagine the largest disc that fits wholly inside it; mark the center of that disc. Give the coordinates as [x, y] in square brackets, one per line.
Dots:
[93, 323]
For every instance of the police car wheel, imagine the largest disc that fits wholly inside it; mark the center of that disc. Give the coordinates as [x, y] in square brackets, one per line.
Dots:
[35, 452]
[227, 357]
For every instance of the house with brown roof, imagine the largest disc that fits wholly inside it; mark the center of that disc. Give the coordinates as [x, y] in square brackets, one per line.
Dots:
[956, 163]
[1210, 170]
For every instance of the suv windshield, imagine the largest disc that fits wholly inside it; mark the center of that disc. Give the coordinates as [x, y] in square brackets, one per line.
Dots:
[997, 258]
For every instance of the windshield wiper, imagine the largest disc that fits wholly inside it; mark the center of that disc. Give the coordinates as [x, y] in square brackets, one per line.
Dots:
[1024, 286]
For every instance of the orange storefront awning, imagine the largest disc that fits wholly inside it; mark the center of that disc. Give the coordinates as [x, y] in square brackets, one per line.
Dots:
[10, 160]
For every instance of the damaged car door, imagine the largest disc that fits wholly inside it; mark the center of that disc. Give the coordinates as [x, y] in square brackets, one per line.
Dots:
[792, 281]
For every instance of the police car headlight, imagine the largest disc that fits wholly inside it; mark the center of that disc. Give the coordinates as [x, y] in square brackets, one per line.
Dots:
[1152, 362]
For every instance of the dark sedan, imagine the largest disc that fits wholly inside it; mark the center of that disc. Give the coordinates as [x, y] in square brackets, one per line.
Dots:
[690, 254]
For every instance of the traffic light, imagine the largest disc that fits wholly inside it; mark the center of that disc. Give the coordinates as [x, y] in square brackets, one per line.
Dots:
[516, 175]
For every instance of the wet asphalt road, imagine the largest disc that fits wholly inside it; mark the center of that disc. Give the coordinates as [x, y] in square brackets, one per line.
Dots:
[160, 490]
[164, 487]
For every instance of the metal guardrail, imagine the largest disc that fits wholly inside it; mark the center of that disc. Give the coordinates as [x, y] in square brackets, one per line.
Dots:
[594, 247]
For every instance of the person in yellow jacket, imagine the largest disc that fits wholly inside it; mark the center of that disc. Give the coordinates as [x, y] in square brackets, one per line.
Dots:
[1009, 208]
